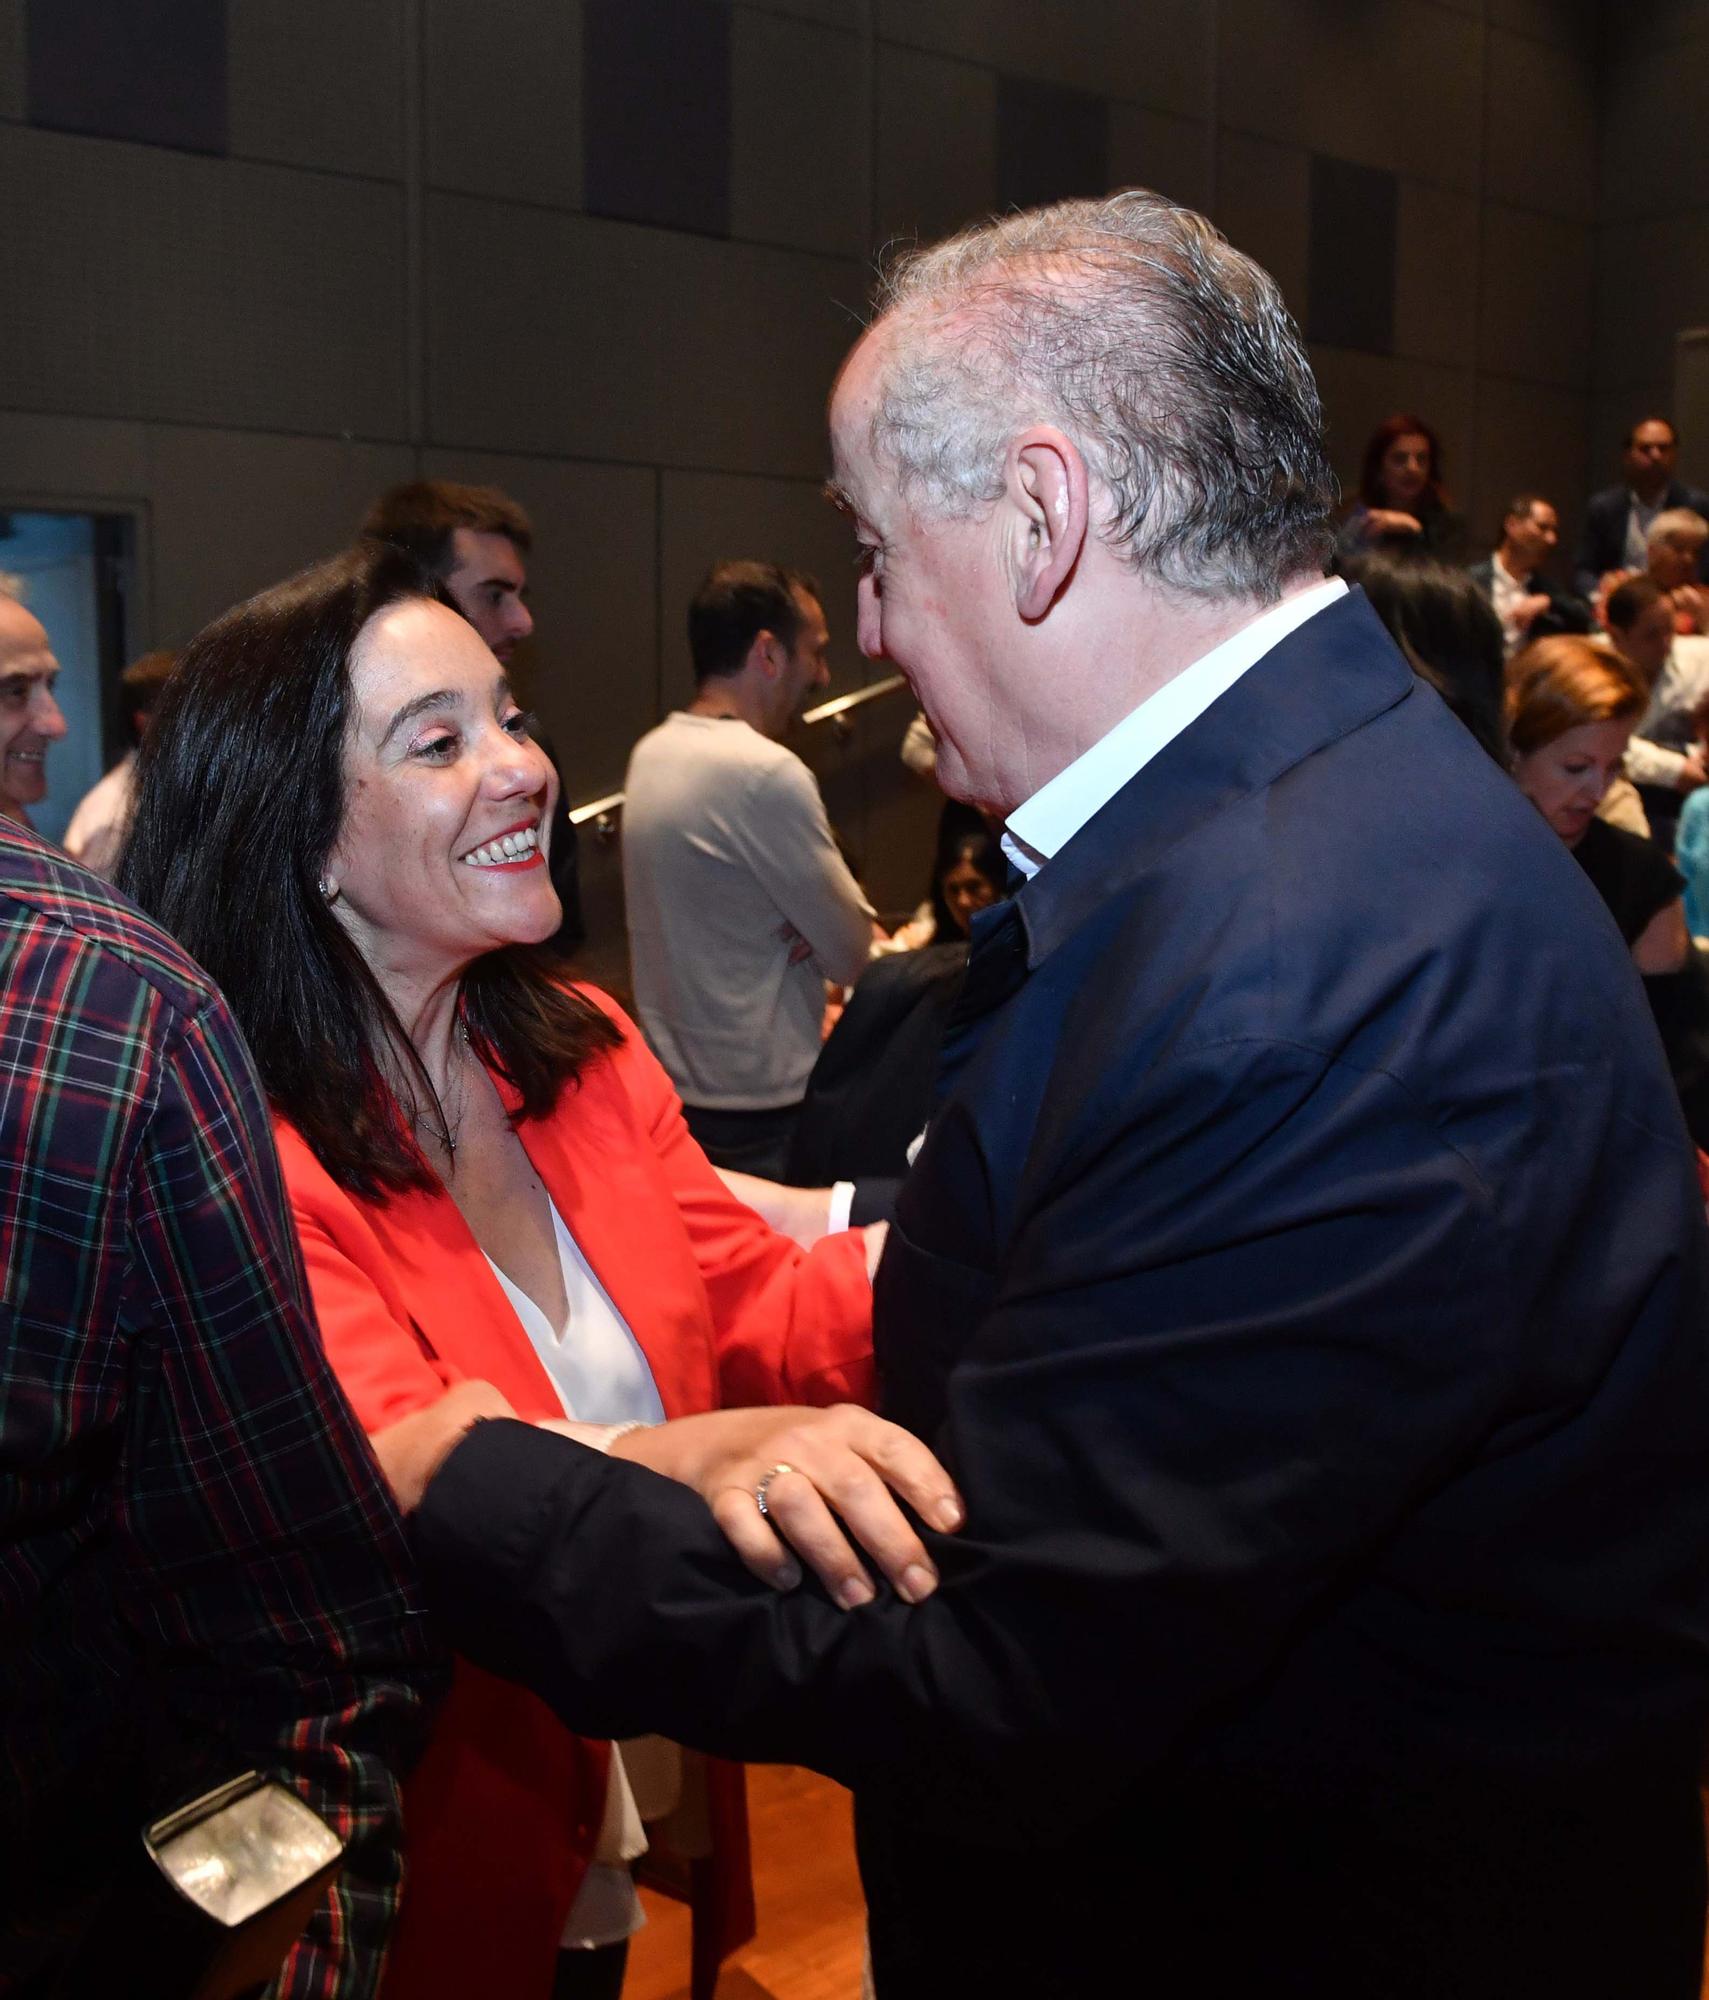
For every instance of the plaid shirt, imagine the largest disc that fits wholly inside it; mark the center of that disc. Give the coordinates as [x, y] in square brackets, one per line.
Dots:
[200, 1570]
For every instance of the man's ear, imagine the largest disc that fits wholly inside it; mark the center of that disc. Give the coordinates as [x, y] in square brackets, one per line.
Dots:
[1048, 486]
[766, 655]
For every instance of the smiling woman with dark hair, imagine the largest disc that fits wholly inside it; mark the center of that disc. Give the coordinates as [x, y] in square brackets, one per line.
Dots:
[340, 813]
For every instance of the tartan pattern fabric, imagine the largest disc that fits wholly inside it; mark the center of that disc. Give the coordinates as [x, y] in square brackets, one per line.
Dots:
[200, 1570]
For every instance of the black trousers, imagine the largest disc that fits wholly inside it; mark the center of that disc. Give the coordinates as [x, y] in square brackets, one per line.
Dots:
[591, 1975]
[747, 1142]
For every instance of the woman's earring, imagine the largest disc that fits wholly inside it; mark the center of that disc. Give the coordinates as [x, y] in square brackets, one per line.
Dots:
[328, 889]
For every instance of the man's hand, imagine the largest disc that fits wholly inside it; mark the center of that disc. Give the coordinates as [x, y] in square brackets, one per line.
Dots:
[845, 1457]
[1690, 608]
[1692, 773]
[1528, 609]
[412, 1450]
[799, 949]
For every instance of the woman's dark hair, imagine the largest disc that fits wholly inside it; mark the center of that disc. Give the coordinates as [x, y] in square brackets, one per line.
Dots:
[239, 801]
[962, 836]
[1371, 473]
[1448, 629]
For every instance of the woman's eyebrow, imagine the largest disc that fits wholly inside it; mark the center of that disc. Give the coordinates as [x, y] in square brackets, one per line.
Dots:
[439, 698]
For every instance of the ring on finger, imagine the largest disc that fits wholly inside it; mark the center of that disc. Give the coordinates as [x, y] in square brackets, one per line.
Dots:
[764, 1487]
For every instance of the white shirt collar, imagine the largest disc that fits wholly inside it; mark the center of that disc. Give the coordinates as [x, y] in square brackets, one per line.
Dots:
[1046, 823]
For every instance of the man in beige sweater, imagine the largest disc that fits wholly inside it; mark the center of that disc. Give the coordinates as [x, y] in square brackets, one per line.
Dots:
[739, 905]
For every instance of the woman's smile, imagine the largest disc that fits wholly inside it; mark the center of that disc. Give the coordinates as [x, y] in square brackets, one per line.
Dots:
[516, 848]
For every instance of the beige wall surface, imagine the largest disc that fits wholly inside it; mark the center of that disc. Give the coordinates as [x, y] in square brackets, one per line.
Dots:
[394, 271]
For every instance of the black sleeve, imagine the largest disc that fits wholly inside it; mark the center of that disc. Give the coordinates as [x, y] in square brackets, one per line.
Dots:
[874, 1201]
[1174, 1429]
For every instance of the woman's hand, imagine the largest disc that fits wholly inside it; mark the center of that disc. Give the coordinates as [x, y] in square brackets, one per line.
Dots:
[845, 1457]
[802, 1214]
[1380, 522]
[412, 1450]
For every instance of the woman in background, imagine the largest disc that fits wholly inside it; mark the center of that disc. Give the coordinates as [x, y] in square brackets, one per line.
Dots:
[968, 874]
[1571, 710]
[1403, 505]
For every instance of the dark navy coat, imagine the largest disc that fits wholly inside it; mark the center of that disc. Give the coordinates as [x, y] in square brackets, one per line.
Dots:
[1304, 1278]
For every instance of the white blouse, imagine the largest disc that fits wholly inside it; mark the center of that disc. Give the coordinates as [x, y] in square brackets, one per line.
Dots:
[595, 1362]
[602, 1377]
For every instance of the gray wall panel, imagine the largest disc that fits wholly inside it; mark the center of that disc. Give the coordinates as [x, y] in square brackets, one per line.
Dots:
[1654, 133]
[165, 285]
[319, 83]
[937, 143]
[1263, 207]
[12, 92]
[1158, 54]
[234, 511]
[1535, 320]
[1540, 128]
[502, 105]
[1392, 83]
[639, 344]
[1569, 24]
[81, 460]
[1152, 149]
[1652, 279]
[1436, 274]
[800, 135]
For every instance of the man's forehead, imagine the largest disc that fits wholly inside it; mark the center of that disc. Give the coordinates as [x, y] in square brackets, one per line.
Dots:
[494, 554]
[24, 647]
[854, 397]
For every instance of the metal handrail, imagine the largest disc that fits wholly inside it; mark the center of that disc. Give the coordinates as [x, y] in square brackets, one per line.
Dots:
[829, 711]
[603, 812]
[596, 809]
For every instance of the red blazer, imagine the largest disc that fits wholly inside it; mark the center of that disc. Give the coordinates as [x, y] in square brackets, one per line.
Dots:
[504, 1809]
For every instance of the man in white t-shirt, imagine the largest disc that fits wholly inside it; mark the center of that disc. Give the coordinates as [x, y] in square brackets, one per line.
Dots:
[740, 906]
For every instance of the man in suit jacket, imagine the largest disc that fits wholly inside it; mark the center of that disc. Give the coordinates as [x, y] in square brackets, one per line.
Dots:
[1617, 520]
[1529, 605]
[1303, 1276]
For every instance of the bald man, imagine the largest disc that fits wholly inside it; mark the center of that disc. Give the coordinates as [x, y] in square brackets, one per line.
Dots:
[30, 717]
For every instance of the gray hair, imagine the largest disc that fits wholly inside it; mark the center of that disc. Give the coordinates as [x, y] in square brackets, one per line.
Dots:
[1130, 324]
[1677, 524]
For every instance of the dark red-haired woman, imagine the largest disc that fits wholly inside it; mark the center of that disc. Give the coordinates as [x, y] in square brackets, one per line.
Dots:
[1402, 504]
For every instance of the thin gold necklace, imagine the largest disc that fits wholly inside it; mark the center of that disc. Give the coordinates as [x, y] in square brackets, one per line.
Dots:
[451, 1129]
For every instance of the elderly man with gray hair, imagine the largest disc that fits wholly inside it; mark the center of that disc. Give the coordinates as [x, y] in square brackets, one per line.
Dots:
[1674, 551]
[1303, 1276]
